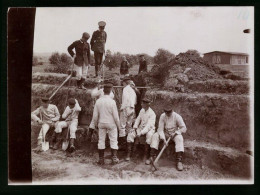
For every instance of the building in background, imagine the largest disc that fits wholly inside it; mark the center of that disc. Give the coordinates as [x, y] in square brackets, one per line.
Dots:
[232, 58]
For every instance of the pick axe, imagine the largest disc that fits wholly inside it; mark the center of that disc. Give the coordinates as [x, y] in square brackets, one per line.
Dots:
[154, 163]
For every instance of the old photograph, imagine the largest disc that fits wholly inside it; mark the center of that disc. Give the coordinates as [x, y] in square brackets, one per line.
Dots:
[143, 95]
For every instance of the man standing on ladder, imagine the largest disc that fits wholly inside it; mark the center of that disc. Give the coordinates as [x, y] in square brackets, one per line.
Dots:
[81, 59]
[98, 41]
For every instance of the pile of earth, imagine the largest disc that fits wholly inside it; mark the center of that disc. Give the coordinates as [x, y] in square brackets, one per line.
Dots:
[185, 67]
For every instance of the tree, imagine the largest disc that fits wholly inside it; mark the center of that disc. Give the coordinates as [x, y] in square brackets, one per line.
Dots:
[162, 56]
[193, 52]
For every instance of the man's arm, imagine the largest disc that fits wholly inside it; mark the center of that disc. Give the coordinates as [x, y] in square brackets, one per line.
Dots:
[145, 66]
[95, 116]
[93, 38]
[161, 127]
[88, 51]
[149, 125]
[138, 120]
[34, 115]
[57, 114]
[115, 115]
[66, 112]
[77, 106]
[125, 97]
[70, 49]
[181, 125]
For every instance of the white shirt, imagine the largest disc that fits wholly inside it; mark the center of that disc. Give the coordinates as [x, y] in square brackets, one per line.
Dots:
[128, 97]
[105, 111]
[171, 124]
[49, 114]
[145, 121]
[72, 114]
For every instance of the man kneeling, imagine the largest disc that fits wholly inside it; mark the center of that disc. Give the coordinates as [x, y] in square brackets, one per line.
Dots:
[171, 125]
[144, 125]
[71, 121]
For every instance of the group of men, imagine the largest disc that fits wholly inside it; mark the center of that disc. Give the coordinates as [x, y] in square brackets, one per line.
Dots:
[123, 127]
[97, 45]
[82, 55]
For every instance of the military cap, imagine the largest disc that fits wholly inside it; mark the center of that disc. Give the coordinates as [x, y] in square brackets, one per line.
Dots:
[45, 99]
[141, 55]
[108, 82]
[72, 101]
[146, 100]
[101, 23]
[167, 108]
[108, 85]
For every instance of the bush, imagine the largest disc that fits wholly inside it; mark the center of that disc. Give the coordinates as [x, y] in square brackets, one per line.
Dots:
[35, 61]
[61, 63]
[162, 56]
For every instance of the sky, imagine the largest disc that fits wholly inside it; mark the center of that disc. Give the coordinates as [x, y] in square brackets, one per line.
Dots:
[137, 30]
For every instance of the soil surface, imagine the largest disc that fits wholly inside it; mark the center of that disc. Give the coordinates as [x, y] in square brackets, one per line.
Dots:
[57, 167]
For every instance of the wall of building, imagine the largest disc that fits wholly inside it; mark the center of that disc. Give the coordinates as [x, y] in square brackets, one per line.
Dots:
[238, 60]
[225, 58]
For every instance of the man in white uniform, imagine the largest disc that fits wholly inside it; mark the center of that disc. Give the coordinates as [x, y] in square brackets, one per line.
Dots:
[144, 125]
[49, 115]
[105, 117]
[127, 110]
[171, 125]
[70, 115]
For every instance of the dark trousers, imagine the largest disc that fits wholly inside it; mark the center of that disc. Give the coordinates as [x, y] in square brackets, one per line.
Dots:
[98, 60]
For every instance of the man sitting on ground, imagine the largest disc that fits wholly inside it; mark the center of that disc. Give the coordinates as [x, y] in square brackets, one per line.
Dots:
[171, 125]
[70, 115]
[144, 125]
[49, 115]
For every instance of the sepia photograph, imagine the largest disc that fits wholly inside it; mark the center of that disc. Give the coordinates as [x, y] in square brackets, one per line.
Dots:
[143, 95]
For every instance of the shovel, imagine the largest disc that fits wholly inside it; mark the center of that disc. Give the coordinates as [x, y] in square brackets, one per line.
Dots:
[154, 163]
[65, 144]
[45, 145]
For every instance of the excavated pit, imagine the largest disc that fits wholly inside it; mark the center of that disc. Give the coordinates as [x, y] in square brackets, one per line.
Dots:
[218, 134]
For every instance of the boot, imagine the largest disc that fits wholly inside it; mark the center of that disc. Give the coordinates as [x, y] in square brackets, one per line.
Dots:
[179, 161]
[134, 151]
[53, 137]
[78, 84]
[72, 147]
[90, 134]
[115, 160]
[92, 148]
[153, 154]
[82, 81]
[146, 154]
[129, 148]
[121, 143]
[101, 154]
[57, 145]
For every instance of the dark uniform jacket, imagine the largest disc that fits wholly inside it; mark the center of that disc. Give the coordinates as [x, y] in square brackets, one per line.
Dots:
[98, 41]
[124, 67]
[143, 66]
[82, 52]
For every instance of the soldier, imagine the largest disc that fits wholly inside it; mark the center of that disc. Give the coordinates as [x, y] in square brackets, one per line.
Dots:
[144, 125]
[127, 110]
[124, 68]
[105, 117]
[82, 58]
[70, 115]
[143, 64]
[49, 115]
[171, 125]
[97, 43]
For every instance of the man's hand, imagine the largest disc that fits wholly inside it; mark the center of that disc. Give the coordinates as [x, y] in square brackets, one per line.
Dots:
[172, 135]
[165, 142]
[40, 122]
[138, 134]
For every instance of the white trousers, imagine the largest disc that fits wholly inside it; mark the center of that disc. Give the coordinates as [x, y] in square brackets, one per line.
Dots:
[132, 135]
[45, 128]
[178, 139]
[81, 71]
[111, 130]
[73, 126]
[126, 121]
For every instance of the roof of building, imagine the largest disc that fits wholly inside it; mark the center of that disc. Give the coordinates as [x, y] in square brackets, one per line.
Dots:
[232, 53]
